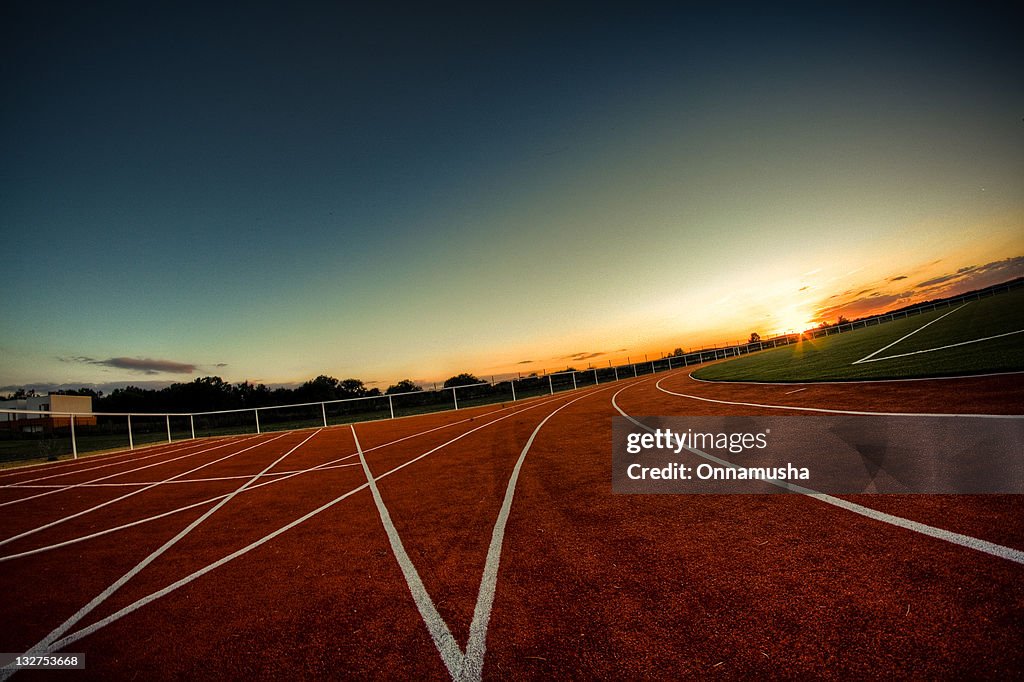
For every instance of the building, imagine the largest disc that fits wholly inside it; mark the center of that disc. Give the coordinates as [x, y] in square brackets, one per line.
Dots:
[46, 404]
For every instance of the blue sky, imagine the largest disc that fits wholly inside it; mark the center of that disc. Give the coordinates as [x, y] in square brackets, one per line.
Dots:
[272, 192]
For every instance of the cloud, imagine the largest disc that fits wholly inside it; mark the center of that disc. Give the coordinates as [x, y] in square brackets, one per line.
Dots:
[939, 280]
[525, 362]
[897, 278]
[863, 291]
[141, 365]
[976, 276]
[861, 307]
[43, 387]
[582, 356]
[804, 288]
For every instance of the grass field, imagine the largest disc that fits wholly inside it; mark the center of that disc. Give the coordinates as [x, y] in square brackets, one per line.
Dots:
[957, 340]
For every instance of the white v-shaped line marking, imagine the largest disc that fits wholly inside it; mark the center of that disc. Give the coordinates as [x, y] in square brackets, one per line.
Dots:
[468, 665]
[445, 642]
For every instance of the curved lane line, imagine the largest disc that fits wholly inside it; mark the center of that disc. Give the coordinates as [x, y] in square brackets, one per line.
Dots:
[969, 541]
[830, 411]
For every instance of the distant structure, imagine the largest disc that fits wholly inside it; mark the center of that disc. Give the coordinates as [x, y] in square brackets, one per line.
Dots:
[75, 404]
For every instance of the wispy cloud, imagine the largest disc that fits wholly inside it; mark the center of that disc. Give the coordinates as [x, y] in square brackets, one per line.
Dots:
[49, 387]
[582, 356]
[147, 366]
[873, 300]
[861, 307]
[525, 362]
[976, 276]
[939, 280]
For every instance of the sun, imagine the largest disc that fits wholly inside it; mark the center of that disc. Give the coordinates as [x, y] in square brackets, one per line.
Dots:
[794, 318]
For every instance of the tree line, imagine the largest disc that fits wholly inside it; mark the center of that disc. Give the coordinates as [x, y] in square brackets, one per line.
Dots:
[208, 394]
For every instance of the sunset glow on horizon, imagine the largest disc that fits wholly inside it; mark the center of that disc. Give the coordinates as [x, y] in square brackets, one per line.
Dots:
[358, 193]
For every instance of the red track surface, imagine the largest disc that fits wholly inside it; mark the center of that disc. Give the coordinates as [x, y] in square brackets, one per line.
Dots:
[589, 584]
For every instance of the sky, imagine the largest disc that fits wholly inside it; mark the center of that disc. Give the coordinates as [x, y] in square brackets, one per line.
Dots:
[269, 192]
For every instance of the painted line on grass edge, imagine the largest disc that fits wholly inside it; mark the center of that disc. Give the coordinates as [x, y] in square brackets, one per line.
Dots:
[926, 324]
[952, 345]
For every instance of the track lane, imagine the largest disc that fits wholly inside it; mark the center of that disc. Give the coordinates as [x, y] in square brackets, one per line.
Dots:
[688, 590]
[995, 394]
[994, 518]
[298, 521]
[663, 586]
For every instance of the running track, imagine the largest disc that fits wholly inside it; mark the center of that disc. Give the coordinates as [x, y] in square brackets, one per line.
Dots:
[490, 545]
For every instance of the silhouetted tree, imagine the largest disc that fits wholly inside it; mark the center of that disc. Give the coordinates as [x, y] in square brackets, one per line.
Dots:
[464, 379]
[247, 395]
[320, 389]
[754, 337]
[80, 391]
[403, 386]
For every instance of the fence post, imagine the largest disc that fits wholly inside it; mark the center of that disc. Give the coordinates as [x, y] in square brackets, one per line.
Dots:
[574, 381]
[616, 373]
[635, 375]
[596, 382]
[168, 418]
[74, 443]
[192, 424]
[256, 411]
[323, 410]
[512, 383]
[455, 398]
[551, 385]
[131, 443]
[653, 371]
[391, 405]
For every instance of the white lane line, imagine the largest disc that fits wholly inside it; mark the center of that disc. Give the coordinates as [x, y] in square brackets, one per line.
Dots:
[445, 642]
[796, 391]
[79, 634]
[81, 470]
[469, 665]
[477, 645]
[179, 481]
[828, 411]
[952, 345]
[320, 467]
[852, 381]
[194, 505]
[77, 464]
[119, 473]
[926, 324]
[101, 505]
[44, 644]
[971, 542]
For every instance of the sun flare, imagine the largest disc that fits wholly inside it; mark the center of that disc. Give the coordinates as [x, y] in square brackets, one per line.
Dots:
[794, 319]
